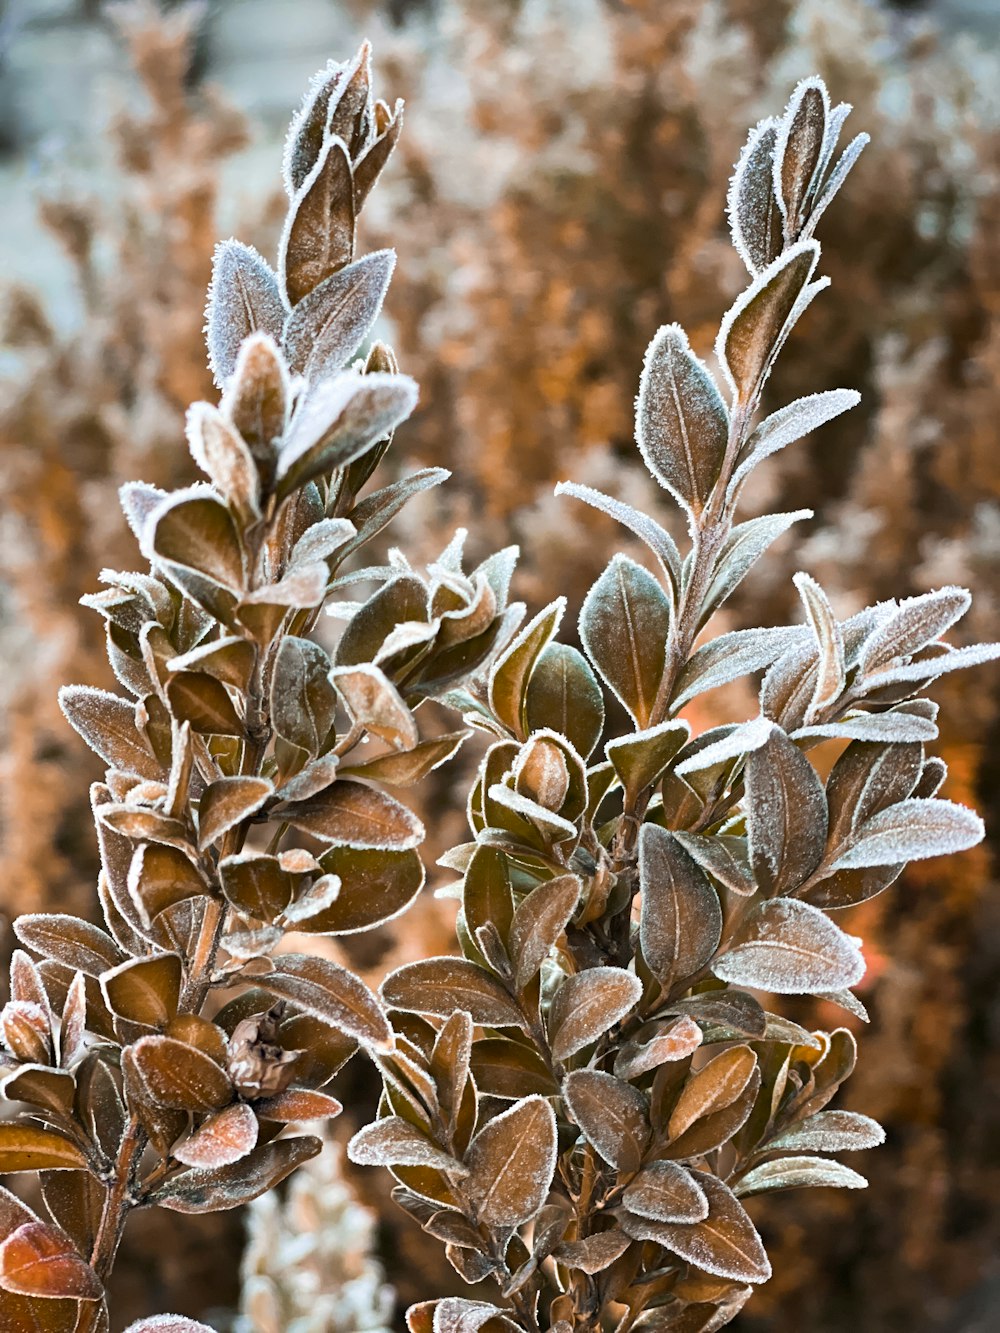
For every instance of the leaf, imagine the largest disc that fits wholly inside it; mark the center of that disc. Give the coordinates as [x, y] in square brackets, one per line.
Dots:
[226, 803]
[337, 421]
[145, 990]
[595, 1252]
[255, 884]
[330, 993]
[486, 894]
[829, 1131]
[511, 1162]
[656, 538]
[624, 625]
[328, 325]
[589, 1004]
[731, 656]
[354, 815]
[791, 423]
[914, 624]
[789, 1173]
[377, 510]
[179, 1076]
[303, 701]
[212, 1191]
[509, 1070]
[673, 1041]
[666, 1192]
[318, 236]
[442, 985]
[411, 766]
[28, 1148]
[754, 326]
[42, 1086]
[223, 455]
[790, 948]
[393, 1141]
[754, 217]
[912, 830]
[726, 1243]
[681, 422]
[257, 400]
[538, 921]
[168, 1323]
[229, 659]
[612, 1116]
[38, 1260]
[831, 674]
[455, 1315]
[193, 529]
[68, 940]
[298, 1104]
[375, 887]
[224, 1138]
[724, 856]
[744, 546]
[786, 815]
[200, 699]
[242, 299]
[510, 676]
[714, 1087]
[641, 758]
[564, 696]
[680, 922]
[798, 149]
[107, 723]
[376, 704]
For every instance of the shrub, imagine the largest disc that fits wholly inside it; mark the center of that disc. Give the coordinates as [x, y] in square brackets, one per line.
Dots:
[578, 1103]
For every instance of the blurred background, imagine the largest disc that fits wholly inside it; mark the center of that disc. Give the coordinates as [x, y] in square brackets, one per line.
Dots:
[557, 194]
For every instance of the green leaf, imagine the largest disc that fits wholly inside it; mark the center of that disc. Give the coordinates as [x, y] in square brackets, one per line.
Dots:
[624, 626]
[509, 679]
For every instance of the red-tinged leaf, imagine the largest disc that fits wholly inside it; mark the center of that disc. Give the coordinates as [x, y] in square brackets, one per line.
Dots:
[666, 1192]
[37, 1260]
[332, 994]
[224, 1138]
[28, 1148]
[200, 1191]
[715, 1086]
[68, 940]
[353, 815]
[511, 1161]
[675, 1041]
[393, 1141]
[442, 985]
[680, 924]
[298, 1104]
[226, 803]
[160, 876]
[612, 1115]
[107, 723]
[726, 1243]
[587, 1005]
[145, 990]
[180, 1077]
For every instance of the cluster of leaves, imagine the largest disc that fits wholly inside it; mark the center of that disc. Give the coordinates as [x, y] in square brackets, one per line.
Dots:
[158, 1061]
[604, 1086]
[576, 1106]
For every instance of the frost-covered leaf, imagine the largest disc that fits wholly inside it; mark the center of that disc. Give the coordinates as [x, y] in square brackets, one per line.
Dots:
[511, 1162]
[624, 625]
[107, 723]
[442, 985]
[790, 948]
[193, 529]
[456, 1315]
[510, 676]
[508, 1070]
[898, 726]
[145, 990]
[168, 1323]
[374, 887]
[202, 701]
[538, 922]
[587, 1005]
[743, 548]
[830, 669]
[798, 150]
[564, 696]
[791, 423]
[318, 237]
[257, 401]
[332, 994]
[595, 1252]
[681, 422]
[217, 1189]
[680, 923]
[31, 1148]
[731, 656]
[786, 815]
[755, 325]
[726, 1243]
[640, 759]
[666, 1192]
[655, 537]
[376, 704]
[829, 1131]
[180, 1077]
[68, 940]
[243, 298]
[914, 624]
[223, 455]
[789, 1173]
[393, 1141]
[328, 325]
[712, 1088]
[954, 659]
[224, 1138]
[41, 1261]
[671, 1041]
[839, 174]
[754, 217]
[738, 741]
[303, 700]
[612, 1116]
[226, 803]
[911, 831]
[354, 815]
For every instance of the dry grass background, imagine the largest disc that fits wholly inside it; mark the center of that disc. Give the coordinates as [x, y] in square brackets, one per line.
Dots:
[558, 193]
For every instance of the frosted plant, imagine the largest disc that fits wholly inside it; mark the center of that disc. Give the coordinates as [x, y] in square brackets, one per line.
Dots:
[579, 1104]
[308, 1266]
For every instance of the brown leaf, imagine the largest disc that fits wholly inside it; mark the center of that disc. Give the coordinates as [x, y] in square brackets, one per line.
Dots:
[329, 324]
[376, 704]
[611, 1114]
[68, 940]
[442, 985]
[594, 1253]
[511, 1162]
[672, 1041]
[224, 1138]
[589, 1004]
[680, 923]
[319, 232]
[256, 884]
[39, 1085]
[332, 994]
[243, 298]
[193, 529]
[204, 702]
[226, 803]
[38, 1260]
[713, 1087]
[28, 1148]
[786, 815]
[538, 922]
[145, 990]
[298, 1104]
[107, 723]
[168, 1323]
[353, 815]
[666, 1192]
[212, 1191]
[509, 678]
[791, 948]
[393, 1141]
[159, 876]
[624, 627]
[181, 1077]
[510, 1070]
